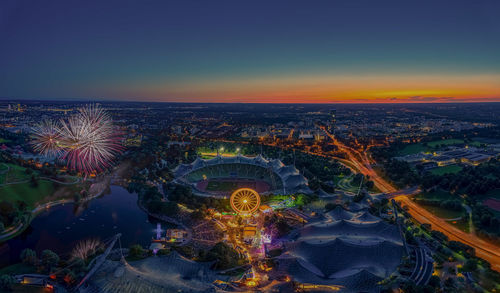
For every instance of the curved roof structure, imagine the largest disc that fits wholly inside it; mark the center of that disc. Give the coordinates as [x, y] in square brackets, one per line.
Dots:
[358, 231]
[359, 281]
[339, 258]
[171, 273]
[354, 250]
[338, 213]
[291, 179]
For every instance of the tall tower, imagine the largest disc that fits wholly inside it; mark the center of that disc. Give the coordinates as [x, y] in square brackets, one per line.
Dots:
[331, 124]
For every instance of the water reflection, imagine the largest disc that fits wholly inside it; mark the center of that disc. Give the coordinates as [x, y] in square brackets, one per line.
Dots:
[60, 228]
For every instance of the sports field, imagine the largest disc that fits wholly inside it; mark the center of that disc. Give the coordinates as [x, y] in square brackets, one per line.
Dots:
[229, 185]
[446, 169]
[431, 145]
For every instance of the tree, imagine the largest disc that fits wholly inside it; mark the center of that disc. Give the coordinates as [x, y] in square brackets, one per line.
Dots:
[435, 281]
[6, 282]
[470, 265]
[282, 227]
[28, 256]
[49, 258]
[33, 181]
[225, 255]
[136, 251]
[409, 287]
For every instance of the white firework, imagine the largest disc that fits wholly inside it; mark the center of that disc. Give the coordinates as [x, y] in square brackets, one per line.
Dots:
[46, 137]
[87, 140]
[90, 140]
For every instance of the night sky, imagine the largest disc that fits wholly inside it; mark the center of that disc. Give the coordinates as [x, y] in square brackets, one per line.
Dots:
[251, 51]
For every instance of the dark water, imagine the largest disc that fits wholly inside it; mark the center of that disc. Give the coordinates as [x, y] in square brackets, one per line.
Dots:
[61, 227]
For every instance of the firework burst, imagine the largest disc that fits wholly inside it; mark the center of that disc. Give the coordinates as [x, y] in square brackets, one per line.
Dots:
[85, 248]
[86, 140]
[46, 138]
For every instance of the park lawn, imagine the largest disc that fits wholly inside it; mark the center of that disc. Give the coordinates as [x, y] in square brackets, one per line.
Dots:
[453, 169]
[16, 173]
[443, 213]
[476, 143]
[461, 224]
[25, 192]
[412, 149]
[451, 141]
[437, 195]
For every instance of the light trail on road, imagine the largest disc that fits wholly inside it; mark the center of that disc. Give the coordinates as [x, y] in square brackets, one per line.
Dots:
[483, 249]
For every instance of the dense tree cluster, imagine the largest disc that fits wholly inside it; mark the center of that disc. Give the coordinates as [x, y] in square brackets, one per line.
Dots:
[153, 200]
[224, 256]
[401, 173]
[470, 180]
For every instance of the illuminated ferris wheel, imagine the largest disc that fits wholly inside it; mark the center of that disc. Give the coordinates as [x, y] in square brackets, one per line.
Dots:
[245, 201]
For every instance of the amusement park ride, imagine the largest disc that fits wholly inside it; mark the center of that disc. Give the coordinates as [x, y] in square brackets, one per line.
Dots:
[245, 201]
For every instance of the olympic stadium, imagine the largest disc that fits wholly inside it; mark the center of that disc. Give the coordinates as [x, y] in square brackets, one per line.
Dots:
[219, 176]
[353, 251]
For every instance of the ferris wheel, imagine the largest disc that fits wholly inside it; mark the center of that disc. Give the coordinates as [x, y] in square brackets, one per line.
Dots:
[245, 201]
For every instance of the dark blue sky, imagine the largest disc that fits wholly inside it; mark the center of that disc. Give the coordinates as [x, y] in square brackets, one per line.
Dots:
[250, 50]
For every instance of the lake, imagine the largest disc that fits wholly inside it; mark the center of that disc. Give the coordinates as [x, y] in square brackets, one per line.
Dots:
[61, 227]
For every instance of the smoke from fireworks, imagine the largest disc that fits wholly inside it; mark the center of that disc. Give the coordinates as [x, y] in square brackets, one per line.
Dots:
[86, 140]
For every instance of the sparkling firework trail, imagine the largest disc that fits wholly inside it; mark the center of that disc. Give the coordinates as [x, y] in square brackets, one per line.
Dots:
[46, 137]
[85, 248]
[87, 140]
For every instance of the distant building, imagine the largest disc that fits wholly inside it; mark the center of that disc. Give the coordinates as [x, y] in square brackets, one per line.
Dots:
[444, 161]
[476, 159]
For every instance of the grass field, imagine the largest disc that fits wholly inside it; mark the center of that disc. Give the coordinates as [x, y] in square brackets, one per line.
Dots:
[15, 173]
[461, 224]
[438, 194]
[453, 169]
[419, 147]
[26, 193]
[452, 141]
[444, 213]
[413, 149]
[4, 140]
[23, 191]
[221, 186]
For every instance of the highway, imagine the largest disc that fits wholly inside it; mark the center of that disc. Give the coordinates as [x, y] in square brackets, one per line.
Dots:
[485, 250]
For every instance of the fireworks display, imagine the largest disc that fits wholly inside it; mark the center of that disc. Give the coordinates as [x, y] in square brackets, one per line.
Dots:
[85, 248]
[45, 138]
[87, 140]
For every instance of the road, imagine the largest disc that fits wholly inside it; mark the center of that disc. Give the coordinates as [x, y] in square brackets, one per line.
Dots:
[485, 250]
